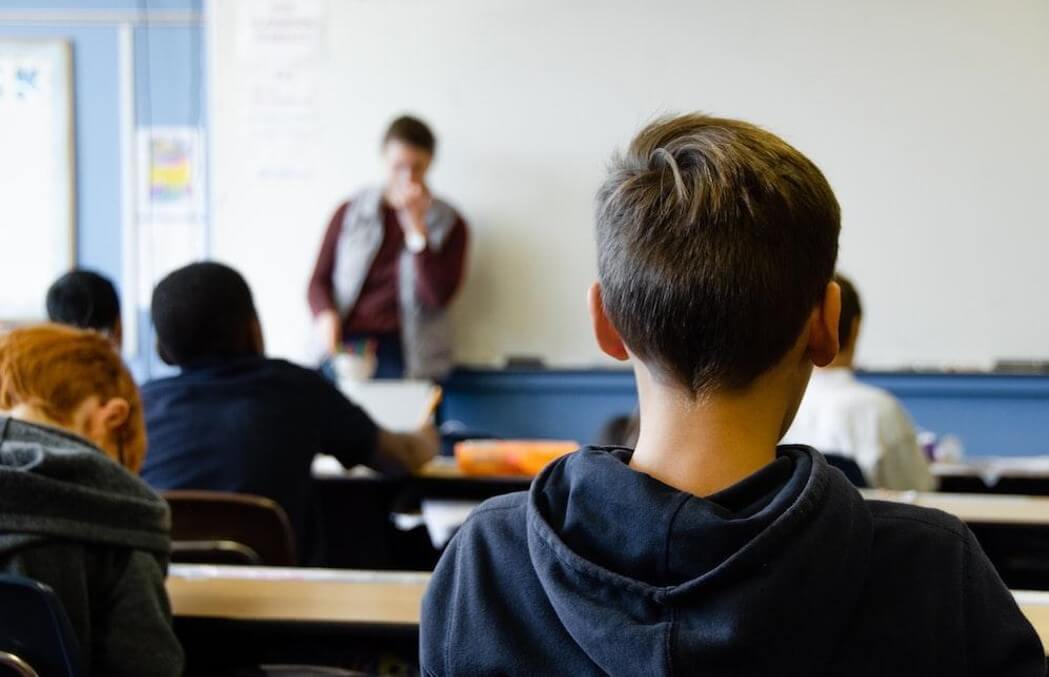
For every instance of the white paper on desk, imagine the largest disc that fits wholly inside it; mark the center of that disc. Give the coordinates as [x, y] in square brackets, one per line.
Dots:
[395, 405]
[329, 466]
[443, 518]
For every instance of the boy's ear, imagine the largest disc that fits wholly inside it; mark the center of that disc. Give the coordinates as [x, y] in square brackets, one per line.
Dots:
[607, 335]
[113, 414]
[823, 328]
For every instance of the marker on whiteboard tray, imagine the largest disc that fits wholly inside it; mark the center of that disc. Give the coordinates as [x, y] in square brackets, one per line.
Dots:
[524, 362]
[1022, 366]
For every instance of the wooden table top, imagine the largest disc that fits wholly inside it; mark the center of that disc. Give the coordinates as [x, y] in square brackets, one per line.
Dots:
[1035, 605]
[355, 597]
[994, 467]
[297, 595]
[975, 508]
[970, 508]
[440, 468]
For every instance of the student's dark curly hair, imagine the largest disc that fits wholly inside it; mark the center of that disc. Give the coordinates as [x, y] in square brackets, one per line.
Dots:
[204, 311]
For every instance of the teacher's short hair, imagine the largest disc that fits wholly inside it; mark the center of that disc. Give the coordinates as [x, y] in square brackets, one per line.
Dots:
[412, 131]
[203, 311]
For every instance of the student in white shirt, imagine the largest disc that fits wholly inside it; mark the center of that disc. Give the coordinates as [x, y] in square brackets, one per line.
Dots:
[841, 415]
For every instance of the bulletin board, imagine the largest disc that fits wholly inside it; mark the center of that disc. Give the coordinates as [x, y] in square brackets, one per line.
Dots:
[37, 169]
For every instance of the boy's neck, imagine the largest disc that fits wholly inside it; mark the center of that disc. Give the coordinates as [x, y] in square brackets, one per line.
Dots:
[706, 444]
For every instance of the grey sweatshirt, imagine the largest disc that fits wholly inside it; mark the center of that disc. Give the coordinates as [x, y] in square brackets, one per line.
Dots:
[79, 522]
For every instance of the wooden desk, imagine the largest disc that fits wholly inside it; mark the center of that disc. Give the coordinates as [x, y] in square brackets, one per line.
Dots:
[975, 508]
[442, 478]
[996, 475]
[995, 466]
[297, 595]
[228, 618]
[1013, 530]
[438, 470]
[355, 508]
[445, 468]
[1035, 605]
[355, 598]
[970, 508]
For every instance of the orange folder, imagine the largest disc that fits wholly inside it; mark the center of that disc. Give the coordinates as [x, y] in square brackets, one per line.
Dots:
[509, 457]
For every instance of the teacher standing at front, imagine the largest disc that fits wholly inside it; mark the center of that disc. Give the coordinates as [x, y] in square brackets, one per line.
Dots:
[391, 261]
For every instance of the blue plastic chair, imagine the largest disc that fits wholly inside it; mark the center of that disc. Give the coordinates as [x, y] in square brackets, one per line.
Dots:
[35, 635]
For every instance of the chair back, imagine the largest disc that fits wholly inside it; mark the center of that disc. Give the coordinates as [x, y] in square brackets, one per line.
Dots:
[35, 635]
[849, 468]
[217, 527]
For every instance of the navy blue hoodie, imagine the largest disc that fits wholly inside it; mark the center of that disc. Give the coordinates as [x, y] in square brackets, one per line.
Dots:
[600, 569]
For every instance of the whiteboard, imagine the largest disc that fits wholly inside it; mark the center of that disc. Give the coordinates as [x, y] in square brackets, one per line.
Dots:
[37, 229]
[927, 117]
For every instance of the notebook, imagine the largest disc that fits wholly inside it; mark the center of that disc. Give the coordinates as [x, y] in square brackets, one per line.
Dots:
[400, 406]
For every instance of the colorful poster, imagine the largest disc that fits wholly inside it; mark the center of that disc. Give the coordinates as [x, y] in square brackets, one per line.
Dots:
[171, 174]
[171, 229]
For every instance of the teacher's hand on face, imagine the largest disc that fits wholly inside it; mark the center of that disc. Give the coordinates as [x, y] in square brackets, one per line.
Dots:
[412, 201]
[330, 325]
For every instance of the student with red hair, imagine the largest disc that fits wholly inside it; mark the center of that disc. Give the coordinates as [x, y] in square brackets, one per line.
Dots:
[73, 513]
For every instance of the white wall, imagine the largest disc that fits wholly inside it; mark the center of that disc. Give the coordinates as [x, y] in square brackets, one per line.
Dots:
[928, 117]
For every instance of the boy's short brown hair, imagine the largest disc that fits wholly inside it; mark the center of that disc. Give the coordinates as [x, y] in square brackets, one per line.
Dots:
[715, 240]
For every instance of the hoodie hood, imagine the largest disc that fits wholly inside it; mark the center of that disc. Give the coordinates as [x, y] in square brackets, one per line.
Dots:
[730, 581]
[54, 485]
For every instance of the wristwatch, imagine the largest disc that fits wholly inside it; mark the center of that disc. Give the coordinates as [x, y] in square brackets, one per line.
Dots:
[415, 241]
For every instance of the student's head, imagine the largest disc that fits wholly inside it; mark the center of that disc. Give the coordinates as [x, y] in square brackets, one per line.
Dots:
[85, 299]
[408, 147]
[73, 379]
[716, 248]
[849, 325]
[205, 311]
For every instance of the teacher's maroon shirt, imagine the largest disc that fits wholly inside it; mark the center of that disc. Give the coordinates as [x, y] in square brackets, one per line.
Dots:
[438, 275]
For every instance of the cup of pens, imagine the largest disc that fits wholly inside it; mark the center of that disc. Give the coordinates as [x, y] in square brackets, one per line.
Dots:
[356, 361]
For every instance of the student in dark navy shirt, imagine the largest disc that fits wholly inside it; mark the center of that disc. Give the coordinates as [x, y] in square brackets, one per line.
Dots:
[708, 550]
[235, 420]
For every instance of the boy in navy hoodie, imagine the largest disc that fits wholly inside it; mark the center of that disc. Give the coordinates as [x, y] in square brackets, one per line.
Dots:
[708, 549]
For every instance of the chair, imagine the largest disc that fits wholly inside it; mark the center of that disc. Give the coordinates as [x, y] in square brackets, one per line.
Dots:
[849, 468]
[36, 638]
[216, 527]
